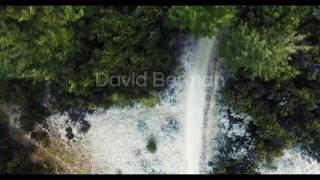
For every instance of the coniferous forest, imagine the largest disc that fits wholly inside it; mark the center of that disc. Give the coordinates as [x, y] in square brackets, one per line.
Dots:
[50, 57]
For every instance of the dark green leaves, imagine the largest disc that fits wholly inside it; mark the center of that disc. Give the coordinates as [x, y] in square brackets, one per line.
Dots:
[201, 20]
[257, 53]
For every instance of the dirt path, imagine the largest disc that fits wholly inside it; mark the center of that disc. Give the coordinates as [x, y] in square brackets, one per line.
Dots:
[43, 153]
[65, 161]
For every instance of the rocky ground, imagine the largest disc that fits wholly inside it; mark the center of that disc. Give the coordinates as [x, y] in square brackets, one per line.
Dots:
[51, 152]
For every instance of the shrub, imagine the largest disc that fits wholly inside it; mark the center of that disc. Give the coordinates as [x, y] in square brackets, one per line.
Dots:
[152, 145]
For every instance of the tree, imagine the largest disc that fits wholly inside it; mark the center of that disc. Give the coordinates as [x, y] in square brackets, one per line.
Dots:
[265, 56]
[284, 19]
[201, 20]
[37, 40]
[262, 40]
[56, 52]
[283, 104]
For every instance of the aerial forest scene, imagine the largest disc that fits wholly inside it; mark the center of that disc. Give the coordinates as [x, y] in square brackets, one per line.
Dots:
[225, 89]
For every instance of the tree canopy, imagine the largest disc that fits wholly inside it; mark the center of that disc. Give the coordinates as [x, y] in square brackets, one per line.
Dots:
[275, 78]
[201, 20]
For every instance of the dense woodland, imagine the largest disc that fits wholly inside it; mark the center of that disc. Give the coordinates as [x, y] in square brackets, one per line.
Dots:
[50, 56]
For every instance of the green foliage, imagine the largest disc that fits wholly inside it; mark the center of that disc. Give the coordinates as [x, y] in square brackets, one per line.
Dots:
[29, 97]
[283, 114]
[232, 166]
[123, 100]
[316, 12]
[275, 79]
[261, 42]
[201, 20]
[255, 98]
[69, 134]
[3, 89]
[259, 54]
[280, 19]
[58, 50]
[132, 43]
[68, 45]
[273, 53]
[152, 144]
[35, 41]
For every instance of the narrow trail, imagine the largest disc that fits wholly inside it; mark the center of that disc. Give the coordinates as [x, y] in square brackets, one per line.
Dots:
[54, 153]
[44, 153]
